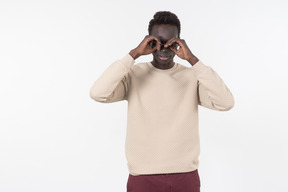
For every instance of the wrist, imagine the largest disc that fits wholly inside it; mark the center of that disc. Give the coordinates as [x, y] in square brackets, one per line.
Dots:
[134, 54]
[193, 60]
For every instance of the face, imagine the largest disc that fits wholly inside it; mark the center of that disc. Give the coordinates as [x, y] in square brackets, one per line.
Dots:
[164, 32]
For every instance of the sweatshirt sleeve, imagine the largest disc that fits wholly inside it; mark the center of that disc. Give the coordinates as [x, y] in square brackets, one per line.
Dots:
[113, 83]
[212, 91]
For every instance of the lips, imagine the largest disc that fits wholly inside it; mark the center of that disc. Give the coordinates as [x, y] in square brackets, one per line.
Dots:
[163, 58]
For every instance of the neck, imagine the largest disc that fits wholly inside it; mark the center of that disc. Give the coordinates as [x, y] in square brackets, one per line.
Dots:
[163, 66]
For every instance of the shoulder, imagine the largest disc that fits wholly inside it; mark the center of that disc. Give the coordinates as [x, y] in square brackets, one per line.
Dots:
[184, 69]
[139, 67]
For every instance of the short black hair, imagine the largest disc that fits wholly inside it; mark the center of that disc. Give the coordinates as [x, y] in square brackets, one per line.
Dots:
[164, 17]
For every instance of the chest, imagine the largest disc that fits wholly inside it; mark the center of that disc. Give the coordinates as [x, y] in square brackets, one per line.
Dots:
[162, 89]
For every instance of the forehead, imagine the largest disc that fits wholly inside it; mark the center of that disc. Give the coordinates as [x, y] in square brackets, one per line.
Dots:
[164, 31]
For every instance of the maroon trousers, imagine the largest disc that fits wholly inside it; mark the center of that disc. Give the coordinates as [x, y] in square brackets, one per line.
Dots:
[173, 182]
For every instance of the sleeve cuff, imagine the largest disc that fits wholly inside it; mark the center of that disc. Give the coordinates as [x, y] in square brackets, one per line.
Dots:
[127, 61]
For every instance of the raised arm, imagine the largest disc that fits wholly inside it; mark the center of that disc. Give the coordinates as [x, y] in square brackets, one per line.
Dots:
[113, 84]
[212, 91]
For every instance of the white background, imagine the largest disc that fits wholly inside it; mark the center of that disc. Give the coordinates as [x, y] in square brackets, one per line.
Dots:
[54, 137]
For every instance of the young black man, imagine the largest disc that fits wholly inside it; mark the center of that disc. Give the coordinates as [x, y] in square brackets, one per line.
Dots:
[162, 136]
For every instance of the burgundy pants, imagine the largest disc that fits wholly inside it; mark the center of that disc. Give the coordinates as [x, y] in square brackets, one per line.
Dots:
[173, 182]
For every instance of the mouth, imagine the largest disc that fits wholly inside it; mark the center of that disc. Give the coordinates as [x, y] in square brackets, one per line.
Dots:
[163, 58]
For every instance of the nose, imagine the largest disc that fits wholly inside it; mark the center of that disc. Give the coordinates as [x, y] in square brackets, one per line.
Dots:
[162, 47]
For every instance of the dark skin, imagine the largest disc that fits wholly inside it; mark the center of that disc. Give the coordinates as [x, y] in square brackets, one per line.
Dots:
[167, 44]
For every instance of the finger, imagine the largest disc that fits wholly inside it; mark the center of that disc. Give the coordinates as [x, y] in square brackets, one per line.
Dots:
[152, 38]
[158, 43]
[154, 48]
[179, 42]
[174, 50]
[171, 41]
[148, 39]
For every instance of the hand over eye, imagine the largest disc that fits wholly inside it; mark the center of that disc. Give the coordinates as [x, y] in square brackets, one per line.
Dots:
[180, 48]
[153, 43]
[175, 46]
[148, 45]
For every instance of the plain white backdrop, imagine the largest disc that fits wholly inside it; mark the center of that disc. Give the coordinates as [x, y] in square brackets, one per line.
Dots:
[54, 137]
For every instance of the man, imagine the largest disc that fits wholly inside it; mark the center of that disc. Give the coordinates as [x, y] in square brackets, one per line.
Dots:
[162, 138]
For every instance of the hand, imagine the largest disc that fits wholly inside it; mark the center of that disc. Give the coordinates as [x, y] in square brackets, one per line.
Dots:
[182, 51]
[148, 45]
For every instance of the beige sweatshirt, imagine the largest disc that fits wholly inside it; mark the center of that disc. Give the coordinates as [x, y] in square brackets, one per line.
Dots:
[162, 134]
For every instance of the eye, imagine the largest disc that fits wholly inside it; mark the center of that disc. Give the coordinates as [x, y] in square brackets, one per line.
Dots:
[153, 43]
[175, 45]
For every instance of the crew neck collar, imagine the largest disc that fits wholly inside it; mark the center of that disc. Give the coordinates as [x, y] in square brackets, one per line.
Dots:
[151, 66]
